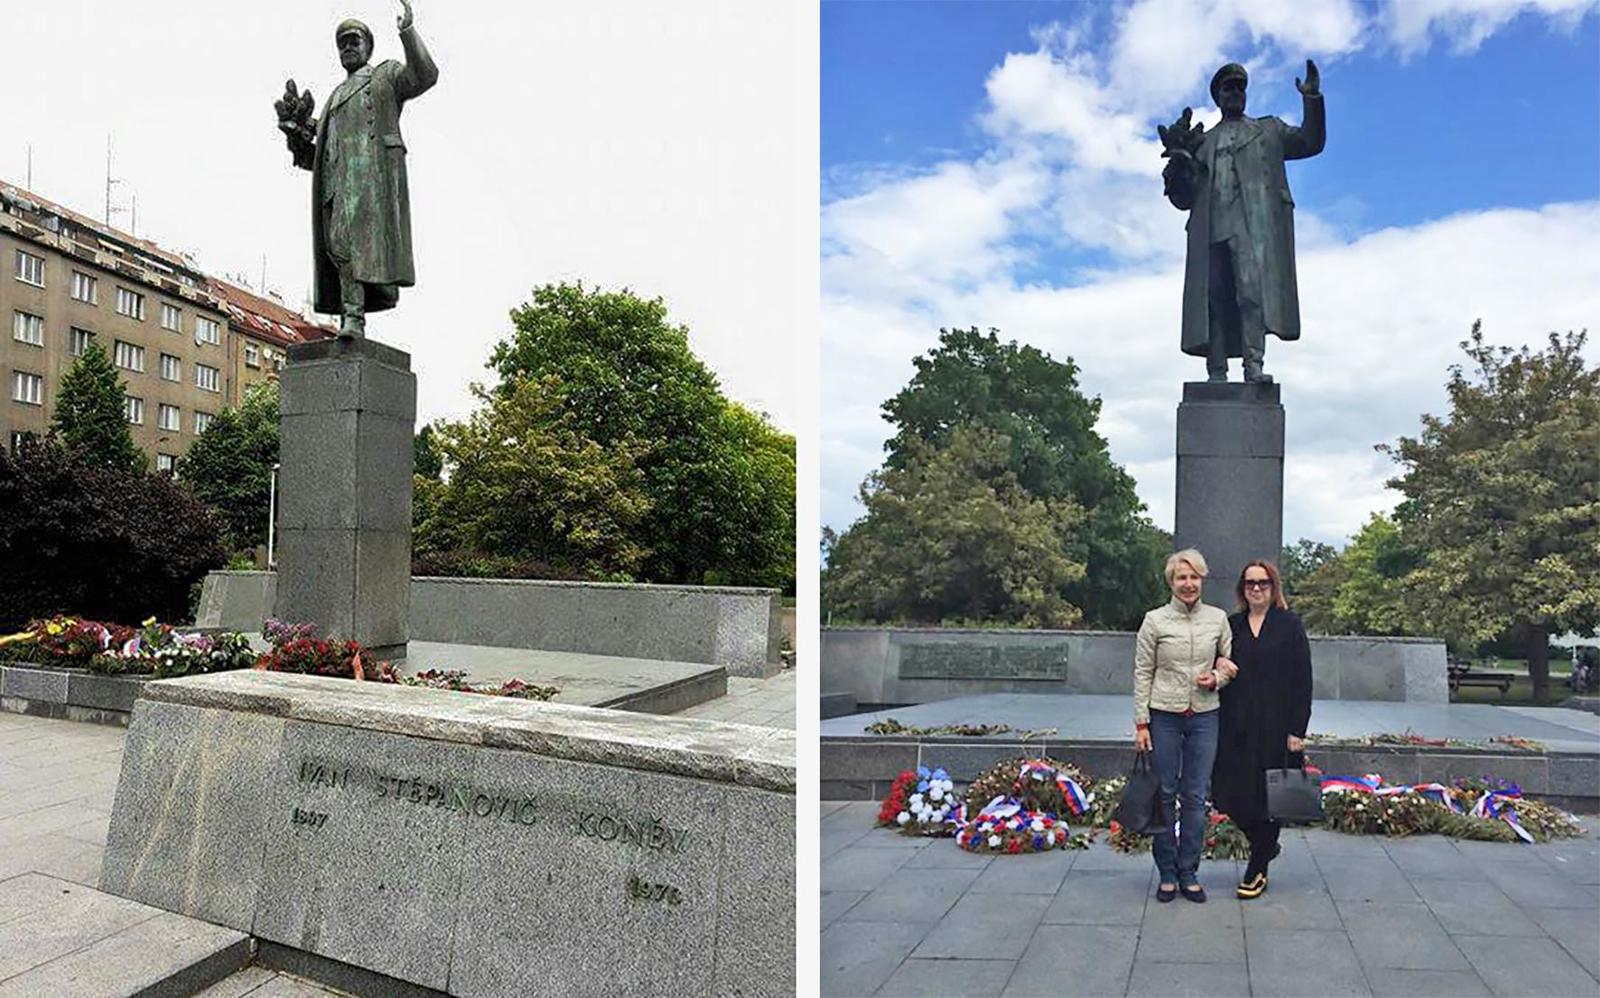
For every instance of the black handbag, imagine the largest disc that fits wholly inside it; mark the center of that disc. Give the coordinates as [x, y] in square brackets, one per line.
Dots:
[1294, 796]
[1139, 811]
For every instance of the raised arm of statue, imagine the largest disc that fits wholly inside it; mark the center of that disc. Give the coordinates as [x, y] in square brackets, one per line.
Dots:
[419, 73]
[1312, 135]
[295, 122]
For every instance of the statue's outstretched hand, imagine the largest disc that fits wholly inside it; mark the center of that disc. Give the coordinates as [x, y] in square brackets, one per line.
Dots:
[403, 21]
[286, 107]
[1312, 87]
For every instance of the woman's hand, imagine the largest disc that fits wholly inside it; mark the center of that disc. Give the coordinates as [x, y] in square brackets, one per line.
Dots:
[1141, 739]
[1206, 680]
[1296, 744]
[1227, 667]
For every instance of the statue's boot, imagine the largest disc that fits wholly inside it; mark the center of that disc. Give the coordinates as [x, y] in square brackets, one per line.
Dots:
[1255, 376]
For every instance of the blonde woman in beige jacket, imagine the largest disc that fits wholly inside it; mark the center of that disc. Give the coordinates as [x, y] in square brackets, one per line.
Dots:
[1180, 661]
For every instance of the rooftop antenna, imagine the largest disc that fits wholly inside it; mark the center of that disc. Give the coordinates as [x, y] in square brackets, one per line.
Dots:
[109, 181]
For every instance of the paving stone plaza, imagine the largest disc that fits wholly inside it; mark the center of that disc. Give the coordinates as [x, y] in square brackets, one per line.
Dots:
[1344, 915]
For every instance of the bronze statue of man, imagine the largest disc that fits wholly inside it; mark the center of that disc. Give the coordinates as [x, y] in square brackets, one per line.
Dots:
[1239, 277]
[361, 211]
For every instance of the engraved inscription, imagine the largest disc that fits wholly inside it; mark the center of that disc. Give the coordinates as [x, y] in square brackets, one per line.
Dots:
[311, 819]
[644, 890]
[649, 833]
[965, 661]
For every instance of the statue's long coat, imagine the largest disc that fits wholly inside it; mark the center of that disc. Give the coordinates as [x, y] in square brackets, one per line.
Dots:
[364, 165]
[1269, 215]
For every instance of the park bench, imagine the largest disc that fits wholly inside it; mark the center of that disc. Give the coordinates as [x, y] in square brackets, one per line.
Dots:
[1461, 674]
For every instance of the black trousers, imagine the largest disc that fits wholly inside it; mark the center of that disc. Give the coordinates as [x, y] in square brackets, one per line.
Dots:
[1263, 836]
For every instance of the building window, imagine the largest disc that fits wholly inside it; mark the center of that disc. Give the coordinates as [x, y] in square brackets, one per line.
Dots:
[85, 288]
[171, 368]
[133, 408]
[208, 378]
[166, 462]
[168, 417]
[20, 437]
[28, 388]
[30, 268]
[277, 362]
[252, 355]
[202, 421]
[130, 303]
[78, 341]
[207, 330]
[171, 318]
[129, 357]
[26, 328]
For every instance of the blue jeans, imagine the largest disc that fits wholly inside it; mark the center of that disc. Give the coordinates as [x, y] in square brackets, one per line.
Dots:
[1182, 749]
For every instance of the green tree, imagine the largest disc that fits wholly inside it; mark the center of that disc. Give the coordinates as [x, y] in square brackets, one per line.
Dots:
[973, 379]
[950, 535]
[1362, 589]
[1503, 499]
[628, 381]
[229, 466]
[426, 461]
[1299, 560]
[526, 483]
[91, 420]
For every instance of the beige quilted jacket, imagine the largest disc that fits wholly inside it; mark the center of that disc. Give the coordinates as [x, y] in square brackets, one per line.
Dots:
[1175, 645]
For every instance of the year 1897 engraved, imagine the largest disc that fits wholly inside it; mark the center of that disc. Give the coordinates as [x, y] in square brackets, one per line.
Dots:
[311, 819]
[646, 891]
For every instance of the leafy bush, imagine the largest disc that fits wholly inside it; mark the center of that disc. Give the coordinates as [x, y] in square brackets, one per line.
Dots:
[102, 541]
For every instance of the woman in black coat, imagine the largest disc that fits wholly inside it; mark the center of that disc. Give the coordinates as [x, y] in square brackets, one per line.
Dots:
[1265, 711]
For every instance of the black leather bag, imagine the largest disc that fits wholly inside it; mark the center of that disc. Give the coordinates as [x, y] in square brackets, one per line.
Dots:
[1294, 796]
[1139, 811]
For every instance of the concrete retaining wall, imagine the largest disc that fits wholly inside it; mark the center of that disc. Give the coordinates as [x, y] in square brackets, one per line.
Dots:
[738, 629]
[881, 665]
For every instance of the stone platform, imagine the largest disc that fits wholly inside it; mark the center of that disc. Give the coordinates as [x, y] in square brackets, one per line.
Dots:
[647, 686]
[1096, 733]
[473, 845]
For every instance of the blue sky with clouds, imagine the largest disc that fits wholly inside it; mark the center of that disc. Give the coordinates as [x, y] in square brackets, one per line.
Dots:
[996, 164]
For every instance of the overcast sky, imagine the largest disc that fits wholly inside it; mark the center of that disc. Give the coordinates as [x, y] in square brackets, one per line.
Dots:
[648, 145]
[996, 165]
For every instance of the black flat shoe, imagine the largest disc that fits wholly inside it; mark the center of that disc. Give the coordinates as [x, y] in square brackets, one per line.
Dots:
[1165, 894]
[1197, 894]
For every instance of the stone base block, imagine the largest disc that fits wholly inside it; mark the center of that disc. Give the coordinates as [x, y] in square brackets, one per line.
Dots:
[468, 844]
[1229, 479]
[347, 410]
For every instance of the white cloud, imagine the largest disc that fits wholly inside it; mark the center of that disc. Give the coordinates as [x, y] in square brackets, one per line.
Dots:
[1465, 24]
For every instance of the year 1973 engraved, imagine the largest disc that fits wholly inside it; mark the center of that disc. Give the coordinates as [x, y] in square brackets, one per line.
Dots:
[311, 819]
[646, 891]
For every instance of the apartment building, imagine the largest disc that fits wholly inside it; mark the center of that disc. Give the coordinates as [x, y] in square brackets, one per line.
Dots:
[184, 343]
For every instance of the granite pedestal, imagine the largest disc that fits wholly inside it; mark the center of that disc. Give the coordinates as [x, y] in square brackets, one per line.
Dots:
[1230, 479]
[474, 845]
[348, 409]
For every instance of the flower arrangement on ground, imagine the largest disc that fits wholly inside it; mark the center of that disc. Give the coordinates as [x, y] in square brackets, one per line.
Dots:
[114, 649]
[1022, 805]
[456, 680]
[922, 801]
[1485, 810]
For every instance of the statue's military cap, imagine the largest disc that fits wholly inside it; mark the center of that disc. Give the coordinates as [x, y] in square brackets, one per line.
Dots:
[1231, 70]
[350, 24]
